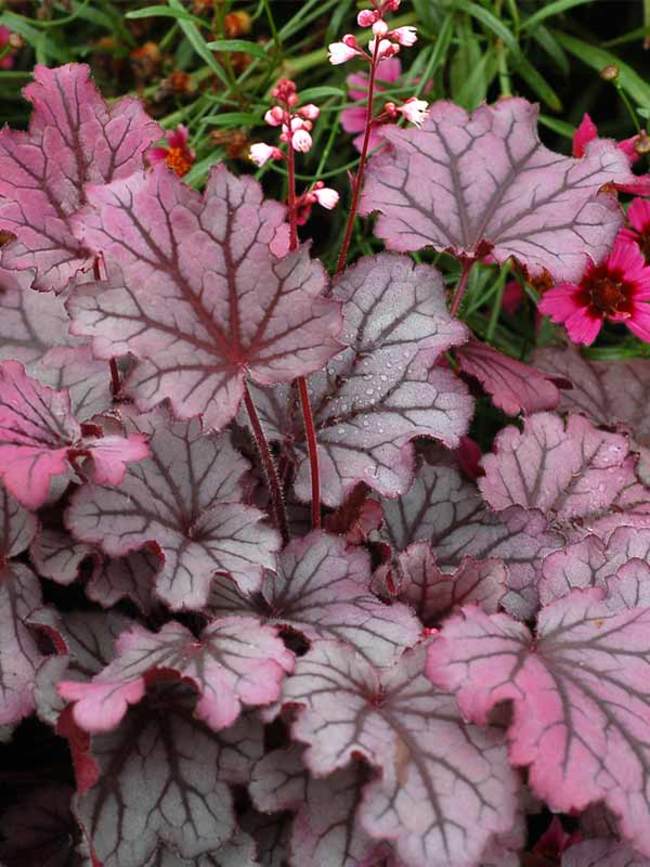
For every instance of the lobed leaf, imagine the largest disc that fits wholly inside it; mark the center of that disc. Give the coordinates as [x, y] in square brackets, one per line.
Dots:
[74, 139]
[445, 787]
[165, 782]
[235, 661]
[321, 589]
[484, 183]
[384, 389]
[186, 500]
[602, 853]
[580, 707]
[197, 293]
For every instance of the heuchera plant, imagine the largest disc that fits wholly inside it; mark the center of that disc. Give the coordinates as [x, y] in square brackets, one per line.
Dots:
[309, 635]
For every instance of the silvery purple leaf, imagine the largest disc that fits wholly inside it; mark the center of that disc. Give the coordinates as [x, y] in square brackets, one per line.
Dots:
[484, 183]
[434, 593]
[185, 500]
[445, 787]
[603, 853]
[165, 781]
[88, 639]
[18, 527]
[607, 392]
[322, 589]
[582, 477]
[325, 828]
[271, 835]
[198, 296]
[74, 138]
[449, 512]
[87, 381]
[580, 706]
[384, 389]
[20, 595]
[513, 386]
[235, 661]
[592, 562]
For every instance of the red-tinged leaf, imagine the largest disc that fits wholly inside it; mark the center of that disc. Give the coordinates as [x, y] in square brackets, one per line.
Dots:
[449, 512]
[200, 299]
[74, 138]
[356, 518]
[603, 853]
[87, 381]
[87, 639]
[321, 589]
[20, 594]
[384, 390]
[513, 386]
[434, 594]
[569, 470]
[480, 183]
[39, 830]
[165, 781]
[607, 392]
[194, 515]
[325, 828]
[86, 769]
[39, 435]
[593, 563]
[445, 787]
[235, 661]
[56, 555]
[580, 703]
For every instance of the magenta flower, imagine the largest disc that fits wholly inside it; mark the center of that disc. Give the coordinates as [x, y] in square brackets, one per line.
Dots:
[178, 155]
[638, 216]
[588, 131]
[353, 120]
[618, 290]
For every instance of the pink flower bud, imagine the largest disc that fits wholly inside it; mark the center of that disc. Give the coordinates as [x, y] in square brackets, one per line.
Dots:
[309, 111]
[274, 116]
[301, 141]
[367, 17]
[326, 197]
[351, 41]
[392, 5]
[261, 153]
[414, 110]
[339, 52]
[380, 28]
[406, 36]
[386, 48]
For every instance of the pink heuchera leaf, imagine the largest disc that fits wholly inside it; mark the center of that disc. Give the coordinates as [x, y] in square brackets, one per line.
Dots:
[384, 389]
[239, 851]
[194, 516]
[321, 589]
[593, 563]
[445, 787]
[480, 183]
[20, 594]
[199, 297]
[603, 853]
[434, 593]
[164, 782]
[325, 828]
[606, 392]
[235, 661]
[580, 707]
[514, 387]
[74, 138]
[39, 436]
[87, 381]
[449, 512]
[571, 470]
[17, 527]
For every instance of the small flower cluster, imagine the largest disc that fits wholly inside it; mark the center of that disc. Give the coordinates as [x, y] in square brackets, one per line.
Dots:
[385, 42]
[295, 123]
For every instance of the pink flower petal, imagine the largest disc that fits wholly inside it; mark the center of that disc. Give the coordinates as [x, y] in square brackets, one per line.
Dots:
[639, 324]
[583, 328]
[560, 302]
[638, 215]
[353, 120]
[586, 132]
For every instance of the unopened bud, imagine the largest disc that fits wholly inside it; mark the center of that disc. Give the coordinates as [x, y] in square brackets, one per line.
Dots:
[642, 144]
[15, 41]
[610, 72]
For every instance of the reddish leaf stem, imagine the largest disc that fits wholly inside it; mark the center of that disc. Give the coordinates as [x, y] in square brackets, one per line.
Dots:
[277, 501]
[462, 286]
[358, 180]
[303, 391]
[116, 383]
